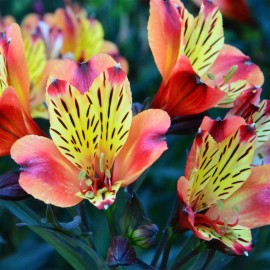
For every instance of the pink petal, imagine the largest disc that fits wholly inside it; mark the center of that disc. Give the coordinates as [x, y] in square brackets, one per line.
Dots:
[82, 75]
[145, 144]
[46, 174]
[252, 201]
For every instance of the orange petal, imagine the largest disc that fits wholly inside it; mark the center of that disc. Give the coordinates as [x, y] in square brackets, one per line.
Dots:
[250, 203]
[16, 65]
[228, 57]
[144, 145]
[66, 21]
[164, 35]
[82, 75]
[186, 93]
[45, 173]
[14, 122]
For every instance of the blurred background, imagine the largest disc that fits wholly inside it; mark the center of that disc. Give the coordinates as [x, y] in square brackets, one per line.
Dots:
[125, 23]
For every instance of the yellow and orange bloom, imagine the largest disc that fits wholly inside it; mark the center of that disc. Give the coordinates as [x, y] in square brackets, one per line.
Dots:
[194, 61]
[97, 146]
[222, 197]
[15, 119]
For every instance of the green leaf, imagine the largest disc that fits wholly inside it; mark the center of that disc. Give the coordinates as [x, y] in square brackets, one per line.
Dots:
[68, 247]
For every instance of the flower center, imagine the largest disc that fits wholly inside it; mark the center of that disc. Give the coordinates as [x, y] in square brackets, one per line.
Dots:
[100, 181]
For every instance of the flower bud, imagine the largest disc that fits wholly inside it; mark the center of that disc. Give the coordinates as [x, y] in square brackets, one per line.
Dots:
[143, 236]
[120, 252]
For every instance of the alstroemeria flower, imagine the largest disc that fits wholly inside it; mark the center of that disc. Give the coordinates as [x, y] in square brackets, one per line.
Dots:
[83, 37]
[97, 146]
[198, 70]
[221, 196]
[15, 120]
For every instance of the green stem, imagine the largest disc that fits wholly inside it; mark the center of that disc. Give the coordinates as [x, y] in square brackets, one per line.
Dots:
[85, 227]
[166, 253]
[210, 256]
[165, 235]
[189, 256]
[110, 218]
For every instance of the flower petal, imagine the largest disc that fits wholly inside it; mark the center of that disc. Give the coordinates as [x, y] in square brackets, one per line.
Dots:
[82, 75]
[75, 124]
[66, 21]
[35, 53]
[14, 122]
[237, 238]
[246, 104]
[235, 155]
[228, 57]
[144, 145]
[221, 129]
[18, 75]
[112, 96]
[261, 119]
[164, 35]
[85, 125]
[46, 174]
[90, 39]
[252, 201]
[205, 39]
[186, 94]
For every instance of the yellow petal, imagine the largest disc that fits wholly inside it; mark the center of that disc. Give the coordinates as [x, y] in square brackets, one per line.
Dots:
[205, 39]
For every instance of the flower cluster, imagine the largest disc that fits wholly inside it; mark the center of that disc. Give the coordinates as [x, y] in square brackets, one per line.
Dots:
[60, 68]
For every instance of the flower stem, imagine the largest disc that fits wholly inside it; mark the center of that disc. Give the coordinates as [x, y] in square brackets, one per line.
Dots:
[210, 256]
[85, 226]
[110, 219]
[189, 256]
[166, 253]
[163, 242]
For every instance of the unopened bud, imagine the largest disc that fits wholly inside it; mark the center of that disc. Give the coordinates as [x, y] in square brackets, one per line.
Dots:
[120, 252]
[143, 236]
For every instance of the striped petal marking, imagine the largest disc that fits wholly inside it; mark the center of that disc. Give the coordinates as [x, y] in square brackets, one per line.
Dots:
[236, 238]
[205, 39]
[35, 53]
[222, 167]
[90, 40]
[90, 129]
[261, 119]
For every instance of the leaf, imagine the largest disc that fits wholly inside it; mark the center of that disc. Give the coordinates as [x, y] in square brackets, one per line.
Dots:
[68, 247]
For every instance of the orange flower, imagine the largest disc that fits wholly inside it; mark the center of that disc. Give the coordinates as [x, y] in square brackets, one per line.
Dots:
[198, 70]
[222, 196]
[15, 120]
[97, 146]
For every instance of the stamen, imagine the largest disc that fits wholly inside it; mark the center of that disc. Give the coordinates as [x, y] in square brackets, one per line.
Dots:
[108, 173]
[230, 73]
[101, 162]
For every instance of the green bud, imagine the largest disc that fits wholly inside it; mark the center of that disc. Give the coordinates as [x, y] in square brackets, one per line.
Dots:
[143, 236]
